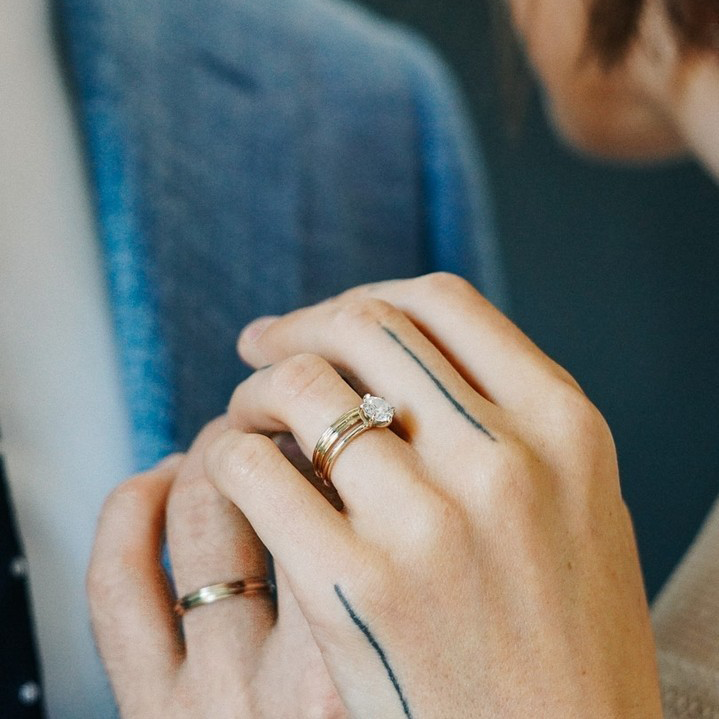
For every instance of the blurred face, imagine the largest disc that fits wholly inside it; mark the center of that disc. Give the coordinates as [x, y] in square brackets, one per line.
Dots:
[610, 113]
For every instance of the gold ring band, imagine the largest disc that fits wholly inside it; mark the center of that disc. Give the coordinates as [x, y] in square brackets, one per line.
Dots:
[223, 590]
[373, 412]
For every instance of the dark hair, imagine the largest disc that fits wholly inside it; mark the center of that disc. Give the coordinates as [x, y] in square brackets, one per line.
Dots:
[613, 25]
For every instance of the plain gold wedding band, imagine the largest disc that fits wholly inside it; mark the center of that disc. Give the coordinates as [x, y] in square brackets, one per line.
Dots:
[251, 586]
[373, 412]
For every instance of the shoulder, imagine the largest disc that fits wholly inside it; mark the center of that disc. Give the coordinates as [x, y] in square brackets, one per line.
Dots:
[367, 43]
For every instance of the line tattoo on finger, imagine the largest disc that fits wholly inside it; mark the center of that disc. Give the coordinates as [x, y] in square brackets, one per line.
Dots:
[445, 392]
[362, 626]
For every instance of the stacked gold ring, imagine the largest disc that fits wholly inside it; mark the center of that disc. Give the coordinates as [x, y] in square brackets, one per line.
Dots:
[373, 412]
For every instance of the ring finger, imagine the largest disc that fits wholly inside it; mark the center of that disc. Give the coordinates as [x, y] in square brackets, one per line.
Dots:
[306, 395]
[378, 345]
[210, 542]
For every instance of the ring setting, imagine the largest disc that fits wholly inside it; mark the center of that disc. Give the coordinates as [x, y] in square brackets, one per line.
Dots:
[377, 411]
[374, 412]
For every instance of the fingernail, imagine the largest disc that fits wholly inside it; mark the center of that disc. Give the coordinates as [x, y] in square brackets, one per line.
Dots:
[252, 331]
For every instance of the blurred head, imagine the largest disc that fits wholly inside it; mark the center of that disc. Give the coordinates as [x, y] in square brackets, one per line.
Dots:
[616, 72]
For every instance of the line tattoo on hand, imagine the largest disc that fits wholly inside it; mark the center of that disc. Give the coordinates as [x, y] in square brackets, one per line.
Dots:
[447, 394]
[362, 626]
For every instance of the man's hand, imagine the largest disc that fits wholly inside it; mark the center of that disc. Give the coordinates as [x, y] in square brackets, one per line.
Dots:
[240, 657]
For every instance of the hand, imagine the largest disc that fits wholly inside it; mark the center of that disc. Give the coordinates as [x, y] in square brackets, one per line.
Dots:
[240, 657]
[484, 564]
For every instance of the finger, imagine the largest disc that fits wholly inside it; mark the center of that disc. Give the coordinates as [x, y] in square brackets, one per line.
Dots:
[306, 395]
[303, 684]
[373, 341]
[130, 600]
[210, 541]
[309, 541]
[306, 536]
[487, 349]
[291, 450]
[289, 614]
[479, 339]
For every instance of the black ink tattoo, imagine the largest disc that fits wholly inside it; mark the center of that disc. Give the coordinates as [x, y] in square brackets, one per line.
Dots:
[474, 422]
[375, 645]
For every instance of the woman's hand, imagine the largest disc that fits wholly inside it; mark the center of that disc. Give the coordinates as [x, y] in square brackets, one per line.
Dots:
[241, 657]
[484, 564]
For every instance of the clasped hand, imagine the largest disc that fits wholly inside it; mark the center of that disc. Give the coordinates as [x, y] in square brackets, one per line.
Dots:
[483, 563]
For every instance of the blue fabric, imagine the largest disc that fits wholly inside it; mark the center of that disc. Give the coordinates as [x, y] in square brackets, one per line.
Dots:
[460, 223]
[142, 352]
[251, 156]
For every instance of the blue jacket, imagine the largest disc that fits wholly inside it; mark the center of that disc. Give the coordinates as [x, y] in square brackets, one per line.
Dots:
[252, 156]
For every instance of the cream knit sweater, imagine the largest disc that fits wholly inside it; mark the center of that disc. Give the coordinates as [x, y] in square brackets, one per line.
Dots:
[686, 622]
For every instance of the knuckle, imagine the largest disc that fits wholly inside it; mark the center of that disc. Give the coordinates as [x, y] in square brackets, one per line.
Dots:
[567, 378]
[132, 493]
[243, 456]
[577, 422]
[301, 374]
[445, 283]
[436, 523]
[364, 313]
[195, 502]
[517, 477]
[515, 458]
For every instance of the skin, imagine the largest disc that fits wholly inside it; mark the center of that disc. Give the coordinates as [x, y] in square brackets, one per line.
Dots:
[244, 657]
[498, 579]
[660, 101]
[483, 563]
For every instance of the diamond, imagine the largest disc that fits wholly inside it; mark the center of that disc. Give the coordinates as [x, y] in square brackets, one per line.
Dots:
[377, 410]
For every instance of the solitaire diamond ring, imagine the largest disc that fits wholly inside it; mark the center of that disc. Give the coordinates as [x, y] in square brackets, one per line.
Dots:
[373, 412]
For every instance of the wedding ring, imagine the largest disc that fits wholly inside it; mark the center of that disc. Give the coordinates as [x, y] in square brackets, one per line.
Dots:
[252, 586]
[373, 412]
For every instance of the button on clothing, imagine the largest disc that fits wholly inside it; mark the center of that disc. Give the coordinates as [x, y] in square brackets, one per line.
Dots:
[66, 437]
[19, 686]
